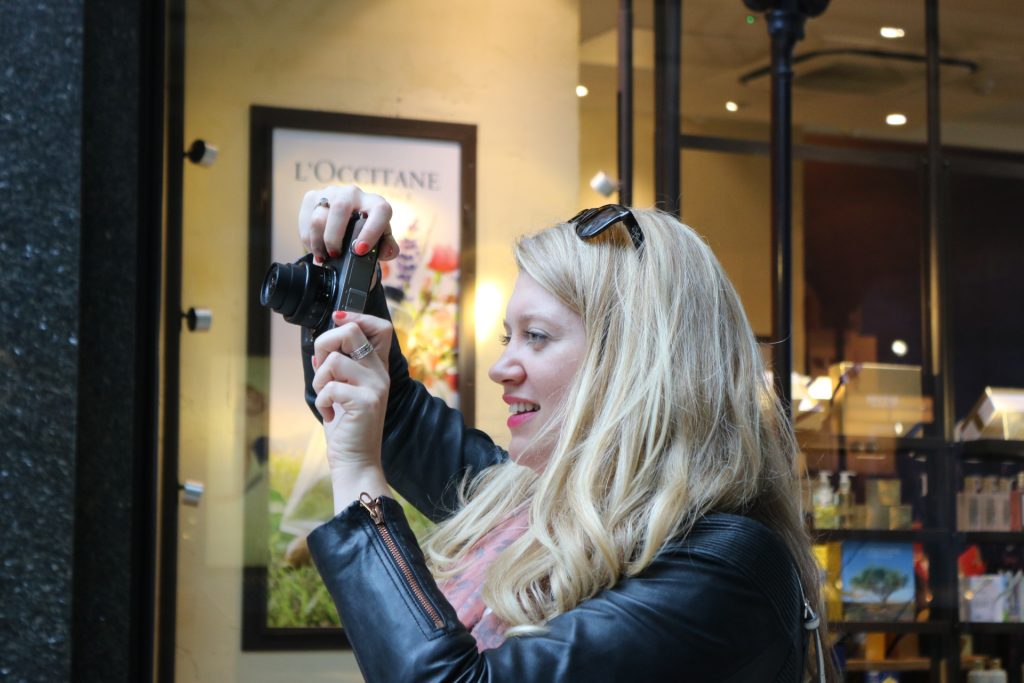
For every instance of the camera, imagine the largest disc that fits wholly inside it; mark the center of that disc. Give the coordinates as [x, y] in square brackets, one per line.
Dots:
[307, 294]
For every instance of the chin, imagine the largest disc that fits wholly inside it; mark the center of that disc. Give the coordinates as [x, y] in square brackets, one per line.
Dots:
[532, 458]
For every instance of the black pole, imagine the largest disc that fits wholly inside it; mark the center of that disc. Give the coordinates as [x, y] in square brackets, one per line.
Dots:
[667, 122]
[625, 102]
[167, 616]
[937, 337]
[785, 19]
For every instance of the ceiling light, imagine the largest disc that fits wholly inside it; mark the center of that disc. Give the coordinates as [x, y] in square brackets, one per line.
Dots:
[891, 32]
[731, 106]
[582, 90]
[899, 348]
[896, 119]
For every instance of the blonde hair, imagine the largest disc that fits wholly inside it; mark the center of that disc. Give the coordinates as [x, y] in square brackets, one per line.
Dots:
[670, 417]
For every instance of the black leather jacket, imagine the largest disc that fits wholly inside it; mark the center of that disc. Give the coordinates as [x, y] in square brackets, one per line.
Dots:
[721, 604]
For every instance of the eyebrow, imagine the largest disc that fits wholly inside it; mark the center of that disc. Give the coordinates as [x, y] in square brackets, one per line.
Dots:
[531, 317]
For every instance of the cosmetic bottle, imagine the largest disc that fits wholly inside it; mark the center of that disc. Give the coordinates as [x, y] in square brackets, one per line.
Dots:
[824, 502]
[845, 500]
[996, 672]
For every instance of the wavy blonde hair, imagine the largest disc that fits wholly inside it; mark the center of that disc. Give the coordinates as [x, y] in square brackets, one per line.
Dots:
[670, 417]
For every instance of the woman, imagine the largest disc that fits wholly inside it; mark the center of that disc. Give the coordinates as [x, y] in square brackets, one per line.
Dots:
[645, 522]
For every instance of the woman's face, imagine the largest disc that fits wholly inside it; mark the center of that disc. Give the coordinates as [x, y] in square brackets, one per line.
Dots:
[544, 345]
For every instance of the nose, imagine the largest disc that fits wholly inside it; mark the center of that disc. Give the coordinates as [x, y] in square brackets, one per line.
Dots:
[507, 369]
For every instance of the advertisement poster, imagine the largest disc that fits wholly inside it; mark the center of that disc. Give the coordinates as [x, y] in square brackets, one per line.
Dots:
[422, 174]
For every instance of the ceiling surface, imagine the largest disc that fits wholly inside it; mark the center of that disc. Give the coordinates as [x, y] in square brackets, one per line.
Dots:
[838, 94]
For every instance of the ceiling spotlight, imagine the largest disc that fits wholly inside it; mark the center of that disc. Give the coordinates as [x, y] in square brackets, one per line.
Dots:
[896, 119]
[732, 106]
[891, 32]
[899, 348]
[582, 90]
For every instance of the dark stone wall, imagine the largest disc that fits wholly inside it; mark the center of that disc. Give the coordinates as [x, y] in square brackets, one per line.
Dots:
[79, 272]
[40, 198]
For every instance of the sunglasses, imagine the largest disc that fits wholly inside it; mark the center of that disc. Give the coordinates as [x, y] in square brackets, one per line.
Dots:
[592, 222]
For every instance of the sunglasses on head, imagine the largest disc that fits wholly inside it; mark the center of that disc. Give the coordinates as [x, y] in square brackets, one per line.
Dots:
[592, 222]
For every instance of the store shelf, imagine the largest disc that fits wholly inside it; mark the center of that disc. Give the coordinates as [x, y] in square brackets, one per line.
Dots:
[814, 441]
[904, 664]
[991, 448]
[1005, 628]
[926, 627]
[990, 536]
[894, 536]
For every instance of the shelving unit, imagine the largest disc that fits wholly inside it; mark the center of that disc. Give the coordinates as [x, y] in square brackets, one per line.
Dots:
[942, 464]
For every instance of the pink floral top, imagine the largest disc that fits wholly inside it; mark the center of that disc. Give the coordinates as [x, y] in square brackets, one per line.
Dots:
[464, 588]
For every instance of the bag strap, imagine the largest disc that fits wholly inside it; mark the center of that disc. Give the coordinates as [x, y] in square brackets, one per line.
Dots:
[813, 623]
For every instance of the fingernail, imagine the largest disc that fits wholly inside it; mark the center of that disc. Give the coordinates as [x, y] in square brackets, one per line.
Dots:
[333, 254]
[318, 259]
[339, 315]
[364, 215]
[361, 248]
[315, 363]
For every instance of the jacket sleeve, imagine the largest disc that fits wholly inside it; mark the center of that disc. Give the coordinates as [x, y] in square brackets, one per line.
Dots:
[427, 448]
[689, 616]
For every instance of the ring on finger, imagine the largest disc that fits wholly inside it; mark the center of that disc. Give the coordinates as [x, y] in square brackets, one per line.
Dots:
[362, 352]
[324, 203]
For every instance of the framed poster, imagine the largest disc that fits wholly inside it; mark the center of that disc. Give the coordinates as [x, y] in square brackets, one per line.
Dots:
[426, 171]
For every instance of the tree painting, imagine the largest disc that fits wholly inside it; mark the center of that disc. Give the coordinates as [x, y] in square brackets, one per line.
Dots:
[881, 581]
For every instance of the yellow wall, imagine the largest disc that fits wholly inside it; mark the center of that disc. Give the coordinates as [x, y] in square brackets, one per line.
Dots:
[510, 69]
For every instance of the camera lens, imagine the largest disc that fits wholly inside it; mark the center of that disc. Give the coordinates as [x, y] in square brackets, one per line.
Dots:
[301, 292]
[283, 287]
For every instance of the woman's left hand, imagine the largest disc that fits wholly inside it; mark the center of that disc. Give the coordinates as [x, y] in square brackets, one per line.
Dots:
[352, 393]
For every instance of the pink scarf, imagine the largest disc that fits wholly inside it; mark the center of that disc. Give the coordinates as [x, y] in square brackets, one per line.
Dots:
[464, 588]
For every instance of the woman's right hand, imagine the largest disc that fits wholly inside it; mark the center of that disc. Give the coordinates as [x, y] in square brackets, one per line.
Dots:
[322, 230]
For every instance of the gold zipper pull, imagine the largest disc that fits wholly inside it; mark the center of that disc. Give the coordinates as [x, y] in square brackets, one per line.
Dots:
[372, 506]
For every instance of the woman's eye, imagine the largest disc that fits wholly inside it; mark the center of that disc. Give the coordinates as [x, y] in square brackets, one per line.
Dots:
[535, 337]
[504, 339]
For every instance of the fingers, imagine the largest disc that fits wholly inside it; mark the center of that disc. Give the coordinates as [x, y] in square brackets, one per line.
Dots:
[378, 225]
[351, 331]
[322, 229]
[354, 400]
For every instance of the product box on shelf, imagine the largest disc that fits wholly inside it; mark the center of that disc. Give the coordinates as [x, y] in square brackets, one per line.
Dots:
[877, 581]
[992, 597]
[998, 414]
[878, 399]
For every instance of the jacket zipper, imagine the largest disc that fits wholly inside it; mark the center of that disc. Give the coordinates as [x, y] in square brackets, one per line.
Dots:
[374, 507]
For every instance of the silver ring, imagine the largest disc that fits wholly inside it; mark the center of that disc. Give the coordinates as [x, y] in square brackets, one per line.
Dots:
[324, 203]
[362, 352]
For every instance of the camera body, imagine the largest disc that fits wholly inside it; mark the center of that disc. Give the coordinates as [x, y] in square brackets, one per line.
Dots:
[307, 294]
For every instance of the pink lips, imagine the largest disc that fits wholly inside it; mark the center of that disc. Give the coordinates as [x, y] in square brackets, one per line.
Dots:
[518, 418]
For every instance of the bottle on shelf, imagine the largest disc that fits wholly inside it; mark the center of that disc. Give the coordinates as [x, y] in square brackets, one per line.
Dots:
[996, 672]
[823, 500]
[845, 502]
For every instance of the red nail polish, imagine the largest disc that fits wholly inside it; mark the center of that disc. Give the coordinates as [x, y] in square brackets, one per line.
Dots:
[364, 215]
[361, 248]
[333, 254]
[339, 315]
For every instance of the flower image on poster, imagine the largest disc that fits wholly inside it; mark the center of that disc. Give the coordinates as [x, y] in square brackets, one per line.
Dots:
[420, 168]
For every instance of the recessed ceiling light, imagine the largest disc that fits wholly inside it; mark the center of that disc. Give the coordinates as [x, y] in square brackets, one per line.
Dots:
[895, 119]
[582, 90]
[891, 32]
[899, 347]
[731, 106]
